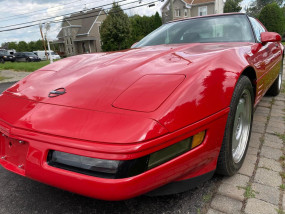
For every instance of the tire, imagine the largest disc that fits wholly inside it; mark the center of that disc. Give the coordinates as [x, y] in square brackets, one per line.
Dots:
[28, 60]
[275, 88]
[2, 60]
[238, 129]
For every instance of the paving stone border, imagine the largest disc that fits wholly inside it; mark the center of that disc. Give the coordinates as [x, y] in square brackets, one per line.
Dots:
[259, 186]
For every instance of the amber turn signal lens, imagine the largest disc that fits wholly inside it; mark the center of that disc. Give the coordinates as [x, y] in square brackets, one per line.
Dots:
[198, 139]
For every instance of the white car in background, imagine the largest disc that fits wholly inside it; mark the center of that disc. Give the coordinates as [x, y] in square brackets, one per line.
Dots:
[42, 56]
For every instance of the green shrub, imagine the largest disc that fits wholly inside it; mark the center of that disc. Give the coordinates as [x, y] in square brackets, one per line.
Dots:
[273, 18]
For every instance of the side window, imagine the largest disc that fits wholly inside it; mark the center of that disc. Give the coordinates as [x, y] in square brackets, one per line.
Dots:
[257, 28]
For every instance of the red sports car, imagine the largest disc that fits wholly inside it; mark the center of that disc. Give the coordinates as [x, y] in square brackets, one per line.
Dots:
[157, 118]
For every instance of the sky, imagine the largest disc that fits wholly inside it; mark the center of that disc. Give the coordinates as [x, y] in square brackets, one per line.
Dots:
[24, 11]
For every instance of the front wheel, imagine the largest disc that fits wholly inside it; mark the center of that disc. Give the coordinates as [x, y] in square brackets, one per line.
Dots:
[2, 60]
[238, 128]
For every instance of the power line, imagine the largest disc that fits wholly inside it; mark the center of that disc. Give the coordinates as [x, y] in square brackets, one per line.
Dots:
[27, 26]
[53, 17]
[22, 14]
[38, 11]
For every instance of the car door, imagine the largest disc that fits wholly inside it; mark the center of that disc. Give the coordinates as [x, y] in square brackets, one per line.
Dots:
[265, 59]
[275, 57]
[21, 57]
[17, 57]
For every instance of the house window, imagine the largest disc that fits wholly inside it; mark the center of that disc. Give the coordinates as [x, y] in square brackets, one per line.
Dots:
[177, 12]
[185, 12]
[202, 11]
[70, 41]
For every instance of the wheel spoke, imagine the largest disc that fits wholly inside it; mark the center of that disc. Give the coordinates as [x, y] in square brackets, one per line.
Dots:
[241, 126]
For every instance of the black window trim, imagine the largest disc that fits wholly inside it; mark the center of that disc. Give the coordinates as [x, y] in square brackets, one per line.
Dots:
[255, 37]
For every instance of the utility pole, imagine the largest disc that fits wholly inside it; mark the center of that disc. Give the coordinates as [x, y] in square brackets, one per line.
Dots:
[171, 10]
[49, 52]
[43, 40]
[47, 27]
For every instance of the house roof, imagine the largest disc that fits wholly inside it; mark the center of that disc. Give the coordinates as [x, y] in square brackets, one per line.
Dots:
[82, 20]
[60, 34]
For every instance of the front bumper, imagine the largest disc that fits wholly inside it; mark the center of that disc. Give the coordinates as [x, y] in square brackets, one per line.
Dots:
[11, 59]
[31, 161]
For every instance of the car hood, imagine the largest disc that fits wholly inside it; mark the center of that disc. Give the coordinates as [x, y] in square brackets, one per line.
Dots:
[104, 81]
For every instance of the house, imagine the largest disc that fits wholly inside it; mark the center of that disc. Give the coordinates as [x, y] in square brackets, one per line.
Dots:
[190, 8]
[80, 33]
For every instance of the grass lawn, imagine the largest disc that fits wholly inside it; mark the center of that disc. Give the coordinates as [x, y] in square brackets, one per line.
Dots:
[4, 78]
[23, 66]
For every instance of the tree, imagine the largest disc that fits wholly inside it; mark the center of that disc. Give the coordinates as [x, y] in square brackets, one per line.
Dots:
[232, 6]
[13, 45]
[157, 21]
[31, 46]
[22, 46]
[257, 5]
[142, 26]
[115, 29]
[272, 17]
[39, 45]
[5, 45]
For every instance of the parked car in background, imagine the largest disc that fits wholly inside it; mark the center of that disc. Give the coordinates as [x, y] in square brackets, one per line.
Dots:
[161, 117]
[6, 56]
[26, 57]
[12, 51]
[42, 55]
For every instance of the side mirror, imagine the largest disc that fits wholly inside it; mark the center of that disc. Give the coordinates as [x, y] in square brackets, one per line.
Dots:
[270, 37]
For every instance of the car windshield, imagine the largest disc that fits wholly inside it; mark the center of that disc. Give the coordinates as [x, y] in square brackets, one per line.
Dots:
[29, 54]
[4, 52]
[229, 28]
